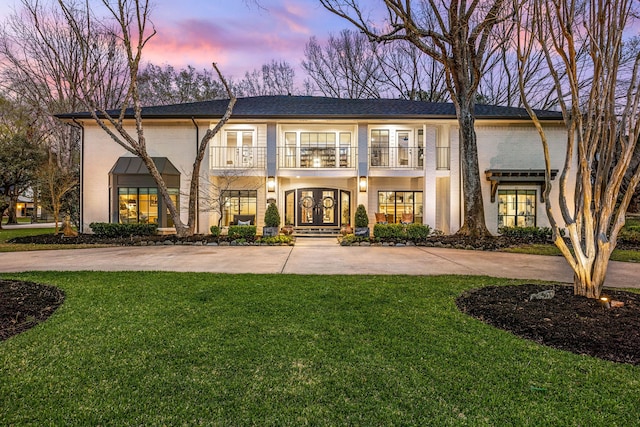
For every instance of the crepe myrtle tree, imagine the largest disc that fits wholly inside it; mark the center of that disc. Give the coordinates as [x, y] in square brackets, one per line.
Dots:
[602, 122]
[461, 35]
[129, 33]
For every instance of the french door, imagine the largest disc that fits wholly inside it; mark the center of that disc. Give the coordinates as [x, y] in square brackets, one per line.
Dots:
[318, 207]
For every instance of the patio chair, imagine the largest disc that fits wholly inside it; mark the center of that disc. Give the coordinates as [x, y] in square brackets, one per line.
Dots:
[381, 218]
[407, 218]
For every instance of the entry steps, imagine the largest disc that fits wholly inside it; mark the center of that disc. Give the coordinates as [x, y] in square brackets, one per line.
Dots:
[317, 231]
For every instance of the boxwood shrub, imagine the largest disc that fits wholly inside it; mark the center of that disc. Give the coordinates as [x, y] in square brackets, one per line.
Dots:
[215, 231]
[106, 229]
[418, 232]
[389, 231]
[245, 232]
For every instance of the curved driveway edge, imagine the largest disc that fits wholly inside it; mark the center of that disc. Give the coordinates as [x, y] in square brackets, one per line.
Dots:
[310, 256]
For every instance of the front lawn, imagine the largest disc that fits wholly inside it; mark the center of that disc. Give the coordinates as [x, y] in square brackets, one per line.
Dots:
[624, 255]
[187, 349]
[7, 234]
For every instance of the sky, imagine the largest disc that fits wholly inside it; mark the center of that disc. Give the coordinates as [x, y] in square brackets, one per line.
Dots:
[239, 35]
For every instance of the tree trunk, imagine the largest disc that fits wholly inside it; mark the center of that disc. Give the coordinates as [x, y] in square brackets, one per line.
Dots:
[473, 220]
[11, 212]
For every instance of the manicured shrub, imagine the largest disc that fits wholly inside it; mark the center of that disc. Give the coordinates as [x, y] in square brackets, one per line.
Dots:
[245, 232]
[418, 232]
[106, 229]
[386, 232]
[276, 240]
[215, 231]
[272, 216]
[362, 220]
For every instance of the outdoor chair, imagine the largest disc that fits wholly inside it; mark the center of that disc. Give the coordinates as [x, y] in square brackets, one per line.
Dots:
[381, 218]
[407, 218]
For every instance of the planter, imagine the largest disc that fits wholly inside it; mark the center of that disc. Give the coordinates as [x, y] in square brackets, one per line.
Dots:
[287, 230]
[362, 231]
[270, 231]
[346, 229]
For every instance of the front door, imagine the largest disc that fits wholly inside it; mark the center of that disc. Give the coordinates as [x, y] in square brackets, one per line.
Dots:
[318, 207]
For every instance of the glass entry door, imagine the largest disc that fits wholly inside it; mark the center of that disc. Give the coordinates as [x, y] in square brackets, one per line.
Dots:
[318, 206]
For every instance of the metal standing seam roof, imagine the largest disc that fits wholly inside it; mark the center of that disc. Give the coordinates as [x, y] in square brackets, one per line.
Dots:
[135, 166]
[306, 107]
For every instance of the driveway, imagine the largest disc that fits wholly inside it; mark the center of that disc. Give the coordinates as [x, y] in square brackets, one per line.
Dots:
[310, 256]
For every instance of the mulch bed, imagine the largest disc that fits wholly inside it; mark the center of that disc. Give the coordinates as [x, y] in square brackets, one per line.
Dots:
[566, 321]
[25, 304]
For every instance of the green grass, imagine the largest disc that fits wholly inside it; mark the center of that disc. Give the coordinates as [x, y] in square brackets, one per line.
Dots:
[7, 234]
[624, 255]
[188, 349]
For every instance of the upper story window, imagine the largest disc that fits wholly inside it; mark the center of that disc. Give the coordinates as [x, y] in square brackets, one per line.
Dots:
[379, 147]
[316, 150]
[238, 149]
[401, 149]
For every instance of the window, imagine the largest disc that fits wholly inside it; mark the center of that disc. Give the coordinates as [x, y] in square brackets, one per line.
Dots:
[317, 149]
[345, 150]
[138, 205]
[238, 202]
[396, 203]
[516, 208]
[240, 150]
[379, 147]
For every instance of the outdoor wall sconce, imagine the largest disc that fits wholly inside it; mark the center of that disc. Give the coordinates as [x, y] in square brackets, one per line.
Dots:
[271, 183]
[362, 184]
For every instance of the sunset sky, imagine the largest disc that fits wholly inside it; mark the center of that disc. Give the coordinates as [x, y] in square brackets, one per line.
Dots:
[239, 35]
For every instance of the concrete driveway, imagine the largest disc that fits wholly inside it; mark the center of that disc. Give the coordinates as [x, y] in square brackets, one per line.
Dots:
[310, 256]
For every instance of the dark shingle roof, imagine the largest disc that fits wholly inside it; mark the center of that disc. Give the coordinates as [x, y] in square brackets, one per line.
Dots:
[312, 107]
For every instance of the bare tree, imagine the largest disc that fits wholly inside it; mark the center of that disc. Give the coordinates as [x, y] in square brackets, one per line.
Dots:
[131, 30]
[165, 85]
[346, 67]
[33, 74]
[274, 78]
[602, 121]
[460, 35]
[410, 74]
[215, 191]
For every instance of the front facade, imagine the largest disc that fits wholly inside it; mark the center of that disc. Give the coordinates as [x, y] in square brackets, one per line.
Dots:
[317, 159]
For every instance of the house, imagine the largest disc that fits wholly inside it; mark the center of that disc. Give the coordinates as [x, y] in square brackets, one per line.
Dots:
[318, 158]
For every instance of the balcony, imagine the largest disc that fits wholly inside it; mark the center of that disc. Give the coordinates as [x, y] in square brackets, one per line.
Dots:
[247, 157]
[291, 157]
[396, 157]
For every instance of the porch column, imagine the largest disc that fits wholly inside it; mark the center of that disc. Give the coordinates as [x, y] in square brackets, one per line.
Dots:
[363, 165]
[429, 196]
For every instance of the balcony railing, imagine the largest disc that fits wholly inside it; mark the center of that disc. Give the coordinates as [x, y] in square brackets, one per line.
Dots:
[238, 157]
[317, 157]
[396, 157]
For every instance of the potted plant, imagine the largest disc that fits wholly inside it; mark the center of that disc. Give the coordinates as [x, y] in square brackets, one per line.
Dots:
[362, 222]
[271, 221]
[287, 230]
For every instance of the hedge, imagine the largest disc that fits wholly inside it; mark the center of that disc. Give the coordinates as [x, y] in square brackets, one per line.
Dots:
[106, 229]
[246, 232]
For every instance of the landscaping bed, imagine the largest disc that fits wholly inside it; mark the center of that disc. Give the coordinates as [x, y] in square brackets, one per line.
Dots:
[198, 239]
[566, 321]
[25, 304]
